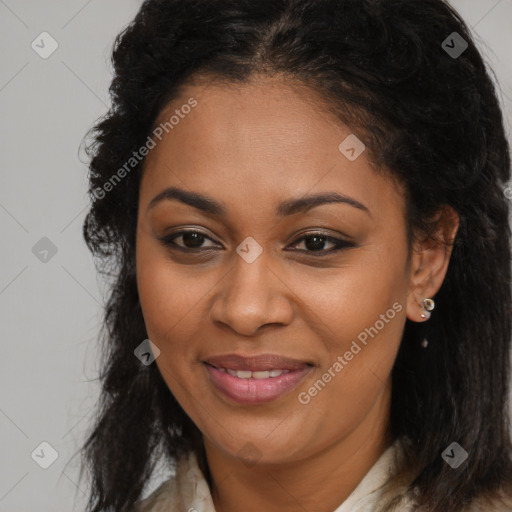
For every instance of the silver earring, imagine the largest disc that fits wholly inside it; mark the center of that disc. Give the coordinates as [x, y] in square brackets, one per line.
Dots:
[429, 304]
[424, 343]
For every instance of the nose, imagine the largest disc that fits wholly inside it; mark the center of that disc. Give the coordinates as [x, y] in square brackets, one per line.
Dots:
[251, 296]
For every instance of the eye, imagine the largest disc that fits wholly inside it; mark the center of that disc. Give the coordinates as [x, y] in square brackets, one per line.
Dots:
[192, 241]
[315, 242]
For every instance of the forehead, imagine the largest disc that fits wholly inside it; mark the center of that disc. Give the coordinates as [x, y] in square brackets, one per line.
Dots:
[261, 140]
[270, 117]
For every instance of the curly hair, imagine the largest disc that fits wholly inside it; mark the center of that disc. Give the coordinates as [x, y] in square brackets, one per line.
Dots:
[429, 119]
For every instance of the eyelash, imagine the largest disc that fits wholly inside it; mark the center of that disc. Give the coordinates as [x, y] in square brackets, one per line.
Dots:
[168, 241]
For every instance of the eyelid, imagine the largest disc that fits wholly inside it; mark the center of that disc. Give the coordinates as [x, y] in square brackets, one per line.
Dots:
[168, 240]
[339, 243]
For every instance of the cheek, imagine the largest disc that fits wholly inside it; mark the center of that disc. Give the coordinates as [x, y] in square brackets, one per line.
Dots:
[169, 295]
[345, 301]
[359, 311]
[170, 304]
[356, 365]
[164, 300]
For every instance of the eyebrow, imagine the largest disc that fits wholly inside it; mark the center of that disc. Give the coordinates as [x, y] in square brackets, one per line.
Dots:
[290, 207]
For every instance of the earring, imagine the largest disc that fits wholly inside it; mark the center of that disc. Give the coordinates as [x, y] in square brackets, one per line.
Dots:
[424, 343]
[428, 306]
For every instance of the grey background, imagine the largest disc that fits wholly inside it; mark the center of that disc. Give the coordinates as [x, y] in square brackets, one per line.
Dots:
[51, 311]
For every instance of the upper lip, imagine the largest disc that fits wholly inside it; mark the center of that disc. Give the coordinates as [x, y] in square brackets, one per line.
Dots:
[260, 362]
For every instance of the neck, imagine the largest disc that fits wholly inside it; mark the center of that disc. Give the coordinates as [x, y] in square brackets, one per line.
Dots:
[320, 482]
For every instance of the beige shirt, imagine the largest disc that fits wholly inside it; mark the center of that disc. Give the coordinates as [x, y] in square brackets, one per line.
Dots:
[188, 491]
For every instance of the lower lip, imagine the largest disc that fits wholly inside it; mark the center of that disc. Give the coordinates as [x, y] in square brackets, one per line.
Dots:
[255, 391]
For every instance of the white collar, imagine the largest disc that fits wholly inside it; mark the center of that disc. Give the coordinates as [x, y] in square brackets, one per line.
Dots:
[189, 491]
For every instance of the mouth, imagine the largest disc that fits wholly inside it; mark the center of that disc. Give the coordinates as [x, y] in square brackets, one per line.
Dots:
[257, 379]
[248, 374]
[260, 363]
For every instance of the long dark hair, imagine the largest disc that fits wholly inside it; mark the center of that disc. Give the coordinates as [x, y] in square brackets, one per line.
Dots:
[428, 117]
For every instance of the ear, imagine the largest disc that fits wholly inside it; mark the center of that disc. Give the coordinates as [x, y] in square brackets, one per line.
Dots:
[429, 262]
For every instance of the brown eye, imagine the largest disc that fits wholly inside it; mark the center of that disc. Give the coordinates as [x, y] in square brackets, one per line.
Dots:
[315, 242]
[191, 240]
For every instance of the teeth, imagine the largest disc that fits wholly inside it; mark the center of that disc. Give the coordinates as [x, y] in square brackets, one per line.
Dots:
[247, 374]
[260, 375]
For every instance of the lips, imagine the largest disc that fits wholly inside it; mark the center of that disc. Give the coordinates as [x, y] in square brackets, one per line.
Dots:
[260, 363]
[257, 379]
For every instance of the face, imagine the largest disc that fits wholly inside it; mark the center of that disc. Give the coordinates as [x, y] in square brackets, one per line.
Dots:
[278, 319]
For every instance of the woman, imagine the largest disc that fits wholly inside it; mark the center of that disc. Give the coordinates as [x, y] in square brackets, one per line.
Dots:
[302, 206]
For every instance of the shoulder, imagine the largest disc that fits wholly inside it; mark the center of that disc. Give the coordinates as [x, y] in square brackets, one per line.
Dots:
[399, 495]
[498, 504]
[186, 490]
[160, 499]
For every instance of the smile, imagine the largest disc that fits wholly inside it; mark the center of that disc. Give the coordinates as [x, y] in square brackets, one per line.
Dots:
[247, 374]
[258, 385]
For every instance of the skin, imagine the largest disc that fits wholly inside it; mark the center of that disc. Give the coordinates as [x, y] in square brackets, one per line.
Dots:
[250, 147]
